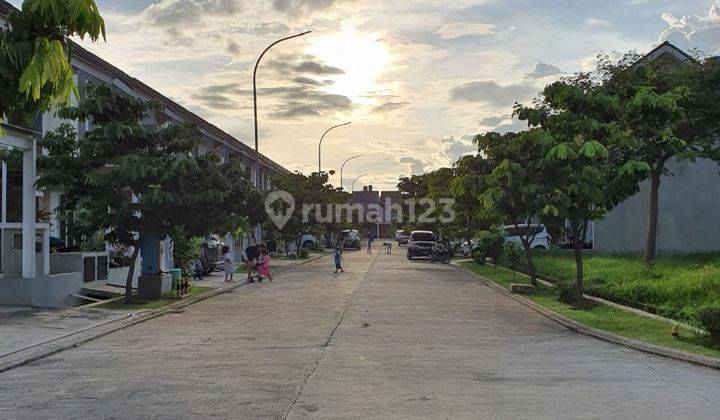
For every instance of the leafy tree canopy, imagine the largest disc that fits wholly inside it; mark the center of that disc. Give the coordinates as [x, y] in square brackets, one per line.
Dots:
[35, 71]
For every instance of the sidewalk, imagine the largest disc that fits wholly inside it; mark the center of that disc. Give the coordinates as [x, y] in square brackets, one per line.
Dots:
[278, 263]
[23, 327]
[29, 333]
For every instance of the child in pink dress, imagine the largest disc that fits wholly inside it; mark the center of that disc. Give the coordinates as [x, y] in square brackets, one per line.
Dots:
[263, 268]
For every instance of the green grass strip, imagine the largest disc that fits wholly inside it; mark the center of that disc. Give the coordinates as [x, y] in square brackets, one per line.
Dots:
[605, 318]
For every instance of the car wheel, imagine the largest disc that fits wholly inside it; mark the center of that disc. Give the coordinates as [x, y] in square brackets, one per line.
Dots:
[540, 247]
[446, 260]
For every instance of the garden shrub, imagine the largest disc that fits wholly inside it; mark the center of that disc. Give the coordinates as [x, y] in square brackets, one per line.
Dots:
[479, 256]
[303, 253]
[490, 244]
[565, 291]
[709, 317]
[510, 256]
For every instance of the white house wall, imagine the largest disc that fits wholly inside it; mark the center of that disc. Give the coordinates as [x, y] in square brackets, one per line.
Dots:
[689, 203]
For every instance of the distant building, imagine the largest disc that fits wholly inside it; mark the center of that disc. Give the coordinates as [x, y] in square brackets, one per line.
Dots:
[369, 199]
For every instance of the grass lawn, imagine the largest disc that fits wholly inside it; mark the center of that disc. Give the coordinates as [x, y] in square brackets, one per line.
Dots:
[674, 287]
[608, 319]
[152, 304]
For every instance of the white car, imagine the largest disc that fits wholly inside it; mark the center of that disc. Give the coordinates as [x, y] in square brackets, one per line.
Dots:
[308, 241]
[514, 234]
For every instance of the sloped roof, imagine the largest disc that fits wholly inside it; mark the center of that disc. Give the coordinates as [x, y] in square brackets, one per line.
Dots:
[81, 53]
[666, 48]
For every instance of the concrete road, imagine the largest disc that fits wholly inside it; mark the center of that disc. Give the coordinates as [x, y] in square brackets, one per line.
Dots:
[389, 338]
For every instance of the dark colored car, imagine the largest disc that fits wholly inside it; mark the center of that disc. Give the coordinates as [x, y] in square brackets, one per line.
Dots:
[350, 239]
[420, 244]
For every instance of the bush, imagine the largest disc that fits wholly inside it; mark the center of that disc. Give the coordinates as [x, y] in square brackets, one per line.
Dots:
[303, 253]
[478, 257]
[510, 256]
[565, 291]
[490, 245]
[709, 317]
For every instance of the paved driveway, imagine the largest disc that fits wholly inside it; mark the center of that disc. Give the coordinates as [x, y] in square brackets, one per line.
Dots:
[389, 338]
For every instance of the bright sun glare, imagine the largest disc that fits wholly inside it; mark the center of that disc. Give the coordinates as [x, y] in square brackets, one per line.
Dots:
[363, 57]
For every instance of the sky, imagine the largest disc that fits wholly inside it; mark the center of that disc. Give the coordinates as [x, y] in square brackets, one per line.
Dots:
[417, 78]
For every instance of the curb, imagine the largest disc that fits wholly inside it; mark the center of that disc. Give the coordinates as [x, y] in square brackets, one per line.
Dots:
[577, 327]
[550, 282]
[39, 351]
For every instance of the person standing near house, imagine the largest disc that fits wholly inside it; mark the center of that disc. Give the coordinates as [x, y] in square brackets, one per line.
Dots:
[369, 243]
[228, 265]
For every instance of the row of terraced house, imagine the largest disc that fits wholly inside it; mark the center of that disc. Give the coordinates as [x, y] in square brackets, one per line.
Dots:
[29, 273]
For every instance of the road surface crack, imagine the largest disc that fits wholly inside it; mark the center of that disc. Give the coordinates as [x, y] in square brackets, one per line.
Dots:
[328, 340]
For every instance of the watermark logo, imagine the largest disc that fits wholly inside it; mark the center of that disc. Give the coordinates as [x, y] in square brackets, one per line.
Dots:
[281, 205]
[283, 215]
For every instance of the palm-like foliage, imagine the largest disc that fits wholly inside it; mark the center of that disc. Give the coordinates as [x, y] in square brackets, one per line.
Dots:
[35, 71]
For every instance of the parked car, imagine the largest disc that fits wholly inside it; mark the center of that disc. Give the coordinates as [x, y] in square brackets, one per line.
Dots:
[401, 237]
[514, 234]
[350, 238]
[308, 241]
[420, 244]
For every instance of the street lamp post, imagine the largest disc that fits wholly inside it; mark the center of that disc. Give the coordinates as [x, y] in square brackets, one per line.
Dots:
[257, 63]
[320, 144]
[352, 186]
[343, 165]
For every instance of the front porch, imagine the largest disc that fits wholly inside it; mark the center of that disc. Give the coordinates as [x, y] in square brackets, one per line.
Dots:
[28, 274]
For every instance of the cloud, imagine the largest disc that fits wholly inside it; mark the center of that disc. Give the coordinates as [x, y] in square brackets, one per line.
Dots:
[458, 29]
[597, 22]
[389, 106]
[168, 13]
[312, 82]
[316, 68]
[543, 70]
[290, 102]
[492, 93]
[492, 121]
[313, 104]
[502, 124]
[454, 148]
[694, 31]
[415, 165]
[302, 7]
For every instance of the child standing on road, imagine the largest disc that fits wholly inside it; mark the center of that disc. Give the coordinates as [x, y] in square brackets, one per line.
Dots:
[228, 265]
[264, 265]
[338, 260]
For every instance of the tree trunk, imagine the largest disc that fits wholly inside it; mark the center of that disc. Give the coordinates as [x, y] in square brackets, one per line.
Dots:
[530, 264]
[578, 248]
[131, 274]
[651, 243]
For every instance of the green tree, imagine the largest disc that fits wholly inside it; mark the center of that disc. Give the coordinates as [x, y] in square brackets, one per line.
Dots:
[136, 182]
[517, 188]
[670, 107]
[307, 190]
[589, 166]
[35, 71]
[467, 187]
